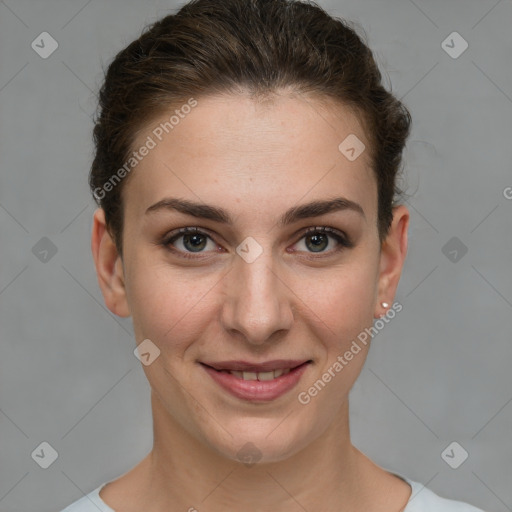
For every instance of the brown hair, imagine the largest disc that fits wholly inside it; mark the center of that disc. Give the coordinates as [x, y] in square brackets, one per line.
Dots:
[212, 46]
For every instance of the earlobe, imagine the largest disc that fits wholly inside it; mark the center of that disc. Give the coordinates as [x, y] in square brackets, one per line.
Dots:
[392, 258]
[109, 266]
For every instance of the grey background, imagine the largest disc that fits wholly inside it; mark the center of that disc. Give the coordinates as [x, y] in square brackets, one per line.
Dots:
[437, 373]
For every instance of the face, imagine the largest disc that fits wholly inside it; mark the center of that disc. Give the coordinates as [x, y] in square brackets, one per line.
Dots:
[260, 281]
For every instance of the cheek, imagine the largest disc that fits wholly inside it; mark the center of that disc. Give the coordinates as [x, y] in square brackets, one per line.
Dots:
[342, 298]
[168, 307]
[344, 309]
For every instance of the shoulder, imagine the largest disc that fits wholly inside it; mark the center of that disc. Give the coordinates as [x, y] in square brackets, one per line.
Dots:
[89, 503]
[424, 500]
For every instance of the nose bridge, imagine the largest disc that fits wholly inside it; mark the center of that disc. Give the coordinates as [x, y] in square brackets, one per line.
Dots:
[257, 302]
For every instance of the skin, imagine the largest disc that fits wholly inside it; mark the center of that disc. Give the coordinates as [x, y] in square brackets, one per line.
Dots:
[256, 159]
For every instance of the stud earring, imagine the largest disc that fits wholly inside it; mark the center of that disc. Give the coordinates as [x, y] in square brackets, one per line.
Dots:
[384, 305]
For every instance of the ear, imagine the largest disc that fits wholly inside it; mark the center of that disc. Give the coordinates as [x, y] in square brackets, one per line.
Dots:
[392, 257]
[109, 266]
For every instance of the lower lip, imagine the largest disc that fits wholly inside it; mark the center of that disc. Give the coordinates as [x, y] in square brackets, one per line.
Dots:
[257, 390]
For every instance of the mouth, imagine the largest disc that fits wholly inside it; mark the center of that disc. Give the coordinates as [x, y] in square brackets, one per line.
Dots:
[257, 382]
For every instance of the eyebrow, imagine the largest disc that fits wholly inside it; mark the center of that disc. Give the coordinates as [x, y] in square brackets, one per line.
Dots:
[217, 214]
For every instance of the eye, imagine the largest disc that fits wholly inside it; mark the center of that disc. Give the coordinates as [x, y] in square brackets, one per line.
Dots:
[193, 240]
[317, 239]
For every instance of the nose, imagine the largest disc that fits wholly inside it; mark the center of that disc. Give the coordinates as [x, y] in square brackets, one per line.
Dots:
[257, 302]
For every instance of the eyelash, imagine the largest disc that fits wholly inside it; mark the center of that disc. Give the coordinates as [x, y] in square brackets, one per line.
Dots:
[343, 241]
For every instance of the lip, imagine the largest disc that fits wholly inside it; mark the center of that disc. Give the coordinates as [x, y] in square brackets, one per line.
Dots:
[255, 390]
[246, 366]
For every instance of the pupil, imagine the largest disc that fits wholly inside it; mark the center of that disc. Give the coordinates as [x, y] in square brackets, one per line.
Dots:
[318, 240]
[196, 241]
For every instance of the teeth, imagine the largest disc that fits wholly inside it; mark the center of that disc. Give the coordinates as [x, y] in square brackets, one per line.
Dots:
[266, 375]
[260, 375]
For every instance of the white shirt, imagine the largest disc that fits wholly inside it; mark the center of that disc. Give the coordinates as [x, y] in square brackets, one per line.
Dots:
[421, 500]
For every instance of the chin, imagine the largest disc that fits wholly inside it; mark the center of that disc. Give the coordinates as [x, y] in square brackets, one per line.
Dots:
[257, 440]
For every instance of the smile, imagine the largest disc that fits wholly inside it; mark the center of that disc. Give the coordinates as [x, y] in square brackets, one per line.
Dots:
[272, 374]
[256, 382]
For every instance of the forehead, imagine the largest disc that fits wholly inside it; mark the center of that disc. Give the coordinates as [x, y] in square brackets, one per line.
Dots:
[234, 150]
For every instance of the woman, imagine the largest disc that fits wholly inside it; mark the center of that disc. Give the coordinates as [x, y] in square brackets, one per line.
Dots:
[245, 168]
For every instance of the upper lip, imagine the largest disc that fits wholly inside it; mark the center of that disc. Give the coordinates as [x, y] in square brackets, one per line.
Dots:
[247, 366]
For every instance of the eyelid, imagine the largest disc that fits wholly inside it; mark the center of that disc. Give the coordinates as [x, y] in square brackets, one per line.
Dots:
[170, 237]
[343, 241]
[327, 230]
